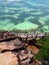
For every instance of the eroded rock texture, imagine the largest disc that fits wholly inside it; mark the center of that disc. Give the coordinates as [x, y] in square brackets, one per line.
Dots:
[13, 51]
[5, 35]
[36, 62]
[12, 45]
[25, 57]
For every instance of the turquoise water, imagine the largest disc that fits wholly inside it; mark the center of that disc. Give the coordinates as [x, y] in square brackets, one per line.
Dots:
[24, 14]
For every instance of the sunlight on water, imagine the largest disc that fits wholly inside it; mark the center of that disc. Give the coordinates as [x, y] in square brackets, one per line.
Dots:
[24, 14]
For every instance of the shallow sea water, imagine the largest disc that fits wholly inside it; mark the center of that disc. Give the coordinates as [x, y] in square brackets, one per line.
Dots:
[24, 14]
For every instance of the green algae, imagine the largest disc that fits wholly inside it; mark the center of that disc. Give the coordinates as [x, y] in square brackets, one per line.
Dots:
[26, 25]
[37, 13]
[28, 18]
[44, 51]
[43, 20]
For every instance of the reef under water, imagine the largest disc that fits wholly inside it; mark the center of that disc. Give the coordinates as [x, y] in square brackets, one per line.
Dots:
[24, 15]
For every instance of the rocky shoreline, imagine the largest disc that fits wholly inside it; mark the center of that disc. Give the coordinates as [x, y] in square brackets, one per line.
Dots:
[13, 50]
[5, 35]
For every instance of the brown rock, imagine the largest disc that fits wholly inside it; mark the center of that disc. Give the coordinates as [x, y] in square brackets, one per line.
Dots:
[11, 45]
[25, 57]
[36, 62]
[8, 58]
[5, 46]
[5, 35]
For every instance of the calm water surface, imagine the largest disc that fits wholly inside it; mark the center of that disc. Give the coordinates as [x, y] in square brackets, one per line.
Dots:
[15, 12]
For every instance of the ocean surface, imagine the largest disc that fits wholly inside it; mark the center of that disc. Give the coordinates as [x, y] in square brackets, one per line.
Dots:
[24, 14]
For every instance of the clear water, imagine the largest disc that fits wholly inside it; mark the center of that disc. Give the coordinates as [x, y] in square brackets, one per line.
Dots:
[24, 14]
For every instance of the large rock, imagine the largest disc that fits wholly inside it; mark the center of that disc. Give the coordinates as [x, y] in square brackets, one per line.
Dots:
[8, 58]
[13, 50]
[5, 35]
[25, 57]
[11, 45]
